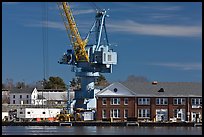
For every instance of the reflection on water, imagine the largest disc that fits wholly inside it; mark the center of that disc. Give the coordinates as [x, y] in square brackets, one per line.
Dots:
[97, 130]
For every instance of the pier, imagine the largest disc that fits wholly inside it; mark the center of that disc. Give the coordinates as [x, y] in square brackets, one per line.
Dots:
[101, 123]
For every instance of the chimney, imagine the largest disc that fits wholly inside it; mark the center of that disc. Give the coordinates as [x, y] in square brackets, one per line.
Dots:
[154, 83]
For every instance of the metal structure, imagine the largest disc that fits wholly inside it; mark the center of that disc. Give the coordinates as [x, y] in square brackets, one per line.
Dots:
[87, 60]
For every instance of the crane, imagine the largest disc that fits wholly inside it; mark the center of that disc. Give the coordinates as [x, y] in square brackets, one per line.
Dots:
[87, 60]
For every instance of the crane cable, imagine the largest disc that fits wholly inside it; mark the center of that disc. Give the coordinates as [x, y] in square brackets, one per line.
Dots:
[45, 43]
[45, 39]
[94, 6]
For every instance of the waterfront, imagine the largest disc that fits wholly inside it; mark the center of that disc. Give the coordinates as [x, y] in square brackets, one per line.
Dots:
[99, 130]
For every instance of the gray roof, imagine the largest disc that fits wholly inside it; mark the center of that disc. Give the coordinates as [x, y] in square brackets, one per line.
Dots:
[51, 90]
[185, 89]
[24, 90]
[53, 95]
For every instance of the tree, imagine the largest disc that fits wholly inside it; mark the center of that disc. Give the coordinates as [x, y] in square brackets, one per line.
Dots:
[5, 99]
[20, 85]
[76, 83]
[101, 81]
[9, 84]
[3, 86]
[54, 83]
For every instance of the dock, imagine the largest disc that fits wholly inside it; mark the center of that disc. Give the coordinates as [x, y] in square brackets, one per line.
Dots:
[101, 123]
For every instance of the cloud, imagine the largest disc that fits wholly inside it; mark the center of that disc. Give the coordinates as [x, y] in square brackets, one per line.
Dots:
[182, 66]
[79, 12]
[74, 10]
[49, 24]
[130, 26]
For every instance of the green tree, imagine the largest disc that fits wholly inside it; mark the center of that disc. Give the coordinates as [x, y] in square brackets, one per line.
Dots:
[54, 83]
[101, 81]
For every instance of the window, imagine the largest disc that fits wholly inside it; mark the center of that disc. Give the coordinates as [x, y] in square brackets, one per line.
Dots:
[125, 101]
[20, 96]
[104, 57]
[27, 96]
[196, 102]
[161, 101]
[109, 57]
[179, 113]
[27, 101]
[14, 102]
[103, 113]
[104, 101]
[43, 112]
[28, 112]
[21, 112]
[115, 101]
[179, 101]
[143, 113]
[125, 113]
[14, 96]
[115, 113]
[143, 101]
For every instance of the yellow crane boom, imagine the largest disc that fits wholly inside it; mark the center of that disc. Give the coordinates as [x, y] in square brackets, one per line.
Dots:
[73, 33]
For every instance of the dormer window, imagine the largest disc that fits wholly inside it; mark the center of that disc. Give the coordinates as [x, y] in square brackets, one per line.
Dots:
[161, 90]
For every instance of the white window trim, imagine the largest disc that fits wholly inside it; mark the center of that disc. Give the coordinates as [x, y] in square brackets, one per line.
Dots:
[125, 113]
[103, 116]
[177, 100]
[103, 101]
[146, 112]
[162, 103]
[117, 113]
[142, 102]
[113, 103]
[199, 105]
[127, 101]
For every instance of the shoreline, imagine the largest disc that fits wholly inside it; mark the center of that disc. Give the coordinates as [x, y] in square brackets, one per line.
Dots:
[103, 123]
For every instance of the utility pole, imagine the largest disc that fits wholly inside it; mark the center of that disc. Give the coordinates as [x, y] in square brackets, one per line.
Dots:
[68, 98]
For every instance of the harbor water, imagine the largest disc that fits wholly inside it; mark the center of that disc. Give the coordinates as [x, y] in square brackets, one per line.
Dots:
[99, 130]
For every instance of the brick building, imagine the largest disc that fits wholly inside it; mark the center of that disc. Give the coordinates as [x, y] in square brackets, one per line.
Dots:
[145, 101]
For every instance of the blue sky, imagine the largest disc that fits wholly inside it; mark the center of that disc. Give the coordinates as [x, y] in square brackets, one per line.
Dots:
[161, 41]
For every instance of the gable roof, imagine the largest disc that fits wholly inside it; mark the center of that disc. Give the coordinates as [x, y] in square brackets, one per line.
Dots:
[24, 90]
[171, 89]
[115, 89]
[147, 89]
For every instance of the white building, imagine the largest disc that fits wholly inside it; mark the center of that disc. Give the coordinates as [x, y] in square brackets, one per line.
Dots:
[38, 112]
[52, 96]
[23, 96]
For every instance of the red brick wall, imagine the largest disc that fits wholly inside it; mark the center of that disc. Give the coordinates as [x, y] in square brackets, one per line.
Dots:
[133, 107]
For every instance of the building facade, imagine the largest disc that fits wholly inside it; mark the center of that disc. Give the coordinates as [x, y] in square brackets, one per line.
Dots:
[23, 96]
[163, 101]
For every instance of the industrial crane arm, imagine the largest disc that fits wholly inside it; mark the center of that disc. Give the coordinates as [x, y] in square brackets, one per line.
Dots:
[75, 38]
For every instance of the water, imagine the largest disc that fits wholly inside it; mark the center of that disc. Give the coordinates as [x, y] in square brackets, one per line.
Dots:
[97, 130]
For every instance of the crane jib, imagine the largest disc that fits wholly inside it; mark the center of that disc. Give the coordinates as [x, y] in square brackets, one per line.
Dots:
[75, 38]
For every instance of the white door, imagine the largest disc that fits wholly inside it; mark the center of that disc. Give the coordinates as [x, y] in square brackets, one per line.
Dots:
[193, 116]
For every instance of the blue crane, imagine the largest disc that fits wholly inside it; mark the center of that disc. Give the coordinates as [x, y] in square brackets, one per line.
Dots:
[87, 60]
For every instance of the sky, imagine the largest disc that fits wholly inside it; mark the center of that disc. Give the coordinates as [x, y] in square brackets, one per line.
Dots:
[161, 41]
